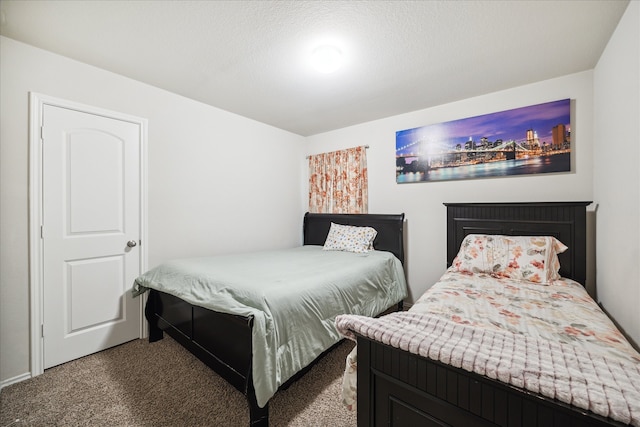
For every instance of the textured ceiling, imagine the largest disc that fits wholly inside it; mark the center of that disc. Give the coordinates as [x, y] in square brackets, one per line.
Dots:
[251, 57]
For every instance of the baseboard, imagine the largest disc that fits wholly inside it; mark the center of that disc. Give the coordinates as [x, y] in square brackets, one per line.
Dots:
[14, 380]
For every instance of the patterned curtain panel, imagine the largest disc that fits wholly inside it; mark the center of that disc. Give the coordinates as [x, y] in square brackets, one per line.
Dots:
[338, 182]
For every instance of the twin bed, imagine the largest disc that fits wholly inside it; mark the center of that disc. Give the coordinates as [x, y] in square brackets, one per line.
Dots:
[500, 339]
[260, 320]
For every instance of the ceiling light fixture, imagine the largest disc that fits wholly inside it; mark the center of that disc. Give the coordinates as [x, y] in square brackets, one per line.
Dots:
[326, 58]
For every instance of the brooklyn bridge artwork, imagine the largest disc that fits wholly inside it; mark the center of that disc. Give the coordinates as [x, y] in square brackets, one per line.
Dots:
[528, 140]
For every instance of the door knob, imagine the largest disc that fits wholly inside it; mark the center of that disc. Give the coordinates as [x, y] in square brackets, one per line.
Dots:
[131, 243]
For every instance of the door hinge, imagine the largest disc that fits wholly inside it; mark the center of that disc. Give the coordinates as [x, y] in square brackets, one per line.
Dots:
[41, 133]
[42, 231]
[42, 330]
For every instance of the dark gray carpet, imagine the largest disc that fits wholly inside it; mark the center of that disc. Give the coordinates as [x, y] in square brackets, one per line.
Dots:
[121, 387]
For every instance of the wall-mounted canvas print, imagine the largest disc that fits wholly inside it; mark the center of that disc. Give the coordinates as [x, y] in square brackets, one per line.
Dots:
[528, 140]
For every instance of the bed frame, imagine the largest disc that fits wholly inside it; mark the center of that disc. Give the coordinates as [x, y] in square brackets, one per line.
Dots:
[226, 347]
[398, 388]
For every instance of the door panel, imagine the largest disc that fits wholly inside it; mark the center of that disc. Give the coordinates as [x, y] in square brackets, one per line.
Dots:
[91, 209]
[94, 294]
[95, 166]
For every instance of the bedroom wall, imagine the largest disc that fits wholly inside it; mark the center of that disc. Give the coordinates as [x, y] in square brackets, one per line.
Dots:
[423, 202]
[616, 178]
[217, 182]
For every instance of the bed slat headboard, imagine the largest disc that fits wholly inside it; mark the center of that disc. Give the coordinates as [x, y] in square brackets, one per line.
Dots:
[390, 229]
[565, 221]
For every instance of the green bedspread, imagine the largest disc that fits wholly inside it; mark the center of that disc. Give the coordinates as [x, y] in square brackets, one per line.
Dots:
[294, 296]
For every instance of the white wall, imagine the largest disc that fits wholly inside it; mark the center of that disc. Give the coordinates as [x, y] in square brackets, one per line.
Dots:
[616, 179]
[423, 202]
[218, 182]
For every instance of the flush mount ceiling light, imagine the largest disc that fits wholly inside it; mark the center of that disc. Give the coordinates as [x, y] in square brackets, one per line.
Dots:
[326, 58]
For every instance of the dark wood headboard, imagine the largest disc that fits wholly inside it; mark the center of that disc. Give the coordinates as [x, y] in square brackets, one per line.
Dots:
[390, 229]
[566, 221]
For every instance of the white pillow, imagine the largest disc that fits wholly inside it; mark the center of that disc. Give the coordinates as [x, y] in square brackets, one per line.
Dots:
[350, 238]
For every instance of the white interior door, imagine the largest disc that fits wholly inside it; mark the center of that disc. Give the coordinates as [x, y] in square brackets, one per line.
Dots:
[90, 234]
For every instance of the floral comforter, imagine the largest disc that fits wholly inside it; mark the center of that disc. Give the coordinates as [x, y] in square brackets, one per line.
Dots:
[561, 311]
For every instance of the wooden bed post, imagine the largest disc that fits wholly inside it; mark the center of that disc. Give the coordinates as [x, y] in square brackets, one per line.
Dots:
[258, 417]
[155, 333]
[365, 401]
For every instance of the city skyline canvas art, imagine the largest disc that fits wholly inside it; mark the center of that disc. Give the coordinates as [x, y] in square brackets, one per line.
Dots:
[528, 140]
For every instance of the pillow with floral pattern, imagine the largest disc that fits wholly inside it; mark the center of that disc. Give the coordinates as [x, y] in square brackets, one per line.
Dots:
[530, 258]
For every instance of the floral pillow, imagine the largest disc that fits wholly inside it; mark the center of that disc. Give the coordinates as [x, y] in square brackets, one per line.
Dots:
[530, 258]
[350, 238]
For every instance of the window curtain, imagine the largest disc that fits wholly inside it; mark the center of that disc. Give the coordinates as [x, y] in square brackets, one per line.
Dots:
[338, 181]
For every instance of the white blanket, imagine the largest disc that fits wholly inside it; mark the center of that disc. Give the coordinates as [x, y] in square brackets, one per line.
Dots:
[607, 386]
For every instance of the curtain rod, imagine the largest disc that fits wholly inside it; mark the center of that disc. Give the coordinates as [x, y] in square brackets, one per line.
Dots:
[366, 147]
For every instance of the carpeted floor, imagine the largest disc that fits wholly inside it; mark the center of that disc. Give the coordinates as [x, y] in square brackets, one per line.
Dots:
[121, 387]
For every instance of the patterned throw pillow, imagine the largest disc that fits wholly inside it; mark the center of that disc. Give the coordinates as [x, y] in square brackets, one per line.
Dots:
[530, 258]
[350, 238]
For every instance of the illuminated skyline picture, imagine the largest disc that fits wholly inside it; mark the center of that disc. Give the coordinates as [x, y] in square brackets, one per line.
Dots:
[528, 140]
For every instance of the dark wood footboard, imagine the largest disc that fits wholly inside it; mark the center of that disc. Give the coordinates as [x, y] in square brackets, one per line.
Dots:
[226, 347]
[398, 388]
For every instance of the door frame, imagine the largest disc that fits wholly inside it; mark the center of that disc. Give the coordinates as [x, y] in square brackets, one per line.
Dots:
[37, 102]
